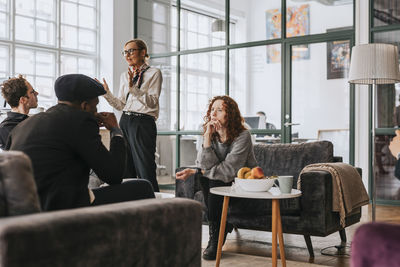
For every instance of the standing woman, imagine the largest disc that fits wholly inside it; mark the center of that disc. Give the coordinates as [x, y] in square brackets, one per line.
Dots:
[139, 92]
[227, 147]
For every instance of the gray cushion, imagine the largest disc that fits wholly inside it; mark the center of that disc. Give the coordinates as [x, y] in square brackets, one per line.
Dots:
[18, 194]
[290, 159]
[151, 232]
[283, 159]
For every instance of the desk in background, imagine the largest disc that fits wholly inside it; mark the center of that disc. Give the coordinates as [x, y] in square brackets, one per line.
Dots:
[268, 139]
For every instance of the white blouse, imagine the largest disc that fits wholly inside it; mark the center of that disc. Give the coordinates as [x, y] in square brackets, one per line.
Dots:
[144, 99]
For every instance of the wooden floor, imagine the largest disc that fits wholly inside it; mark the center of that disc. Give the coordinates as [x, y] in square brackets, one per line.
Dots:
[259, 243]
[387, 185]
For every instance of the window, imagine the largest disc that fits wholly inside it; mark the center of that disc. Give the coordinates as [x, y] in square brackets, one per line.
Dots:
[46, 45]
[385, 29]
[202, 77]
[38, 66]
[385, 12]
[260, 60]
[35, 21]
[78, 25]
[198, 71]
[157, 25]
[4, 60]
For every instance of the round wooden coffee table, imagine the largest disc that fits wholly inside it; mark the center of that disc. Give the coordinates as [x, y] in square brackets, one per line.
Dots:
[274, 194]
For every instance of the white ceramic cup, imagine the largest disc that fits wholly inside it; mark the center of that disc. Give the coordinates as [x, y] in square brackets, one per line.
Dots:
[159, 195]
[285, 184]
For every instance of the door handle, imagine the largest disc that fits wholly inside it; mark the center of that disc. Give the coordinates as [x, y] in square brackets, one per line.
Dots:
[287, 124]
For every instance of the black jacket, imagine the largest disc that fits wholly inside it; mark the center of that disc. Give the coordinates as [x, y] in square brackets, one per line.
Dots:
[64, 144]
[6, 126]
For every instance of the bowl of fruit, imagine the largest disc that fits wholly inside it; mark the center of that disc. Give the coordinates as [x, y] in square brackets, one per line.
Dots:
[254, 180]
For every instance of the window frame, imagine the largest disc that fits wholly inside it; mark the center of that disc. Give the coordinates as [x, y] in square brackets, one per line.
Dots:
[379, 131]
[284, 41]
[55, 48]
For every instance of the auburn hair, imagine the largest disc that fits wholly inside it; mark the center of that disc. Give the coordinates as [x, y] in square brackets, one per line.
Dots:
[234, 120]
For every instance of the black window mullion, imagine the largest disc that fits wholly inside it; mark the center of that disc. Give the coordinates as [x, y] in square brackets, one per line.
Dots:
[178, 85]
[135, 19]
[227, 42]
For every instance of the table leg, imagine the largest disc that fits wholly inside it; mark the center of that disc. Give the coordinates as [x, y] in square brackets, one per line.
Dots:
[222, 229]
[280, 235]
[275, 207]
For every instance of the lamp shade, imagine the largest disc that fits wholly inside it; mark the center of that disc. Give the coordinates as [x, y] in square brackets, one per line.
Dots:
[374, 63]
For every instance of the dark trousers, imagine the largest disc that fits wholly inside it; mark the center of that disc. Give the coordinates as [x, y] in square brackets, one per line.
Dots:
[127, 191]
[213, 202]
[141, 133]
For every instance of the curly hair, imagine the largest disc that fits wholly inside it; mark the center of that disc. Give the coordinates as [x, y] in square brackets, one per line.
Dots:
[234, 120]
[13, 89]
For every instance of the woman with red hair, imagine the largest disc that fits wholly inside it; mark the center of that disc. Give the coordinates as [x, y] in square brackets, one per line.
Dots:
[227, 147]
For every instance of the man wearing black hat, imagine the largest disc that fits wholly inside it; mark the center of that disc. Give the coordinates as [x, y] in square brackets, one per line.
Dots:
[64, 144]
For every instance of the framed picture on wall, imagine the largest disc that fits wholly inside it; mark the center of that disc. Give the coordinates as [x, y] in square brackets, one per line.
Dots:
[297, 24]
[338, 59]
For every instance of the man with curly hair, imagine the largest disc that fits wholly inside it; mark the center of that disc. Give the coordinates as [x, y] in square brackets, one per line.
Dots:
[21, 97]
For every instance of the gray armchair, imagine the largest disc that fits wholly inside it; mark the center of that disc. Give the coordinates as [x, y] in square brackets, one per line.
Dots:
[309, 215]
[164, 232]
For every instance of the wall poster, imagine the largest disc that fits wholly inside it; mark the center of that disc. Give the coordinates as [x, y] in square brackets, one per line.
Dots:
[297, 24]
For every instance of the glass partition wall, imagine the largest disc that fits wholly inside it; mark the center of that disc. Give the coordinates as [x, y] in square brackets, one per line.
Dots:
[321, 98]
[385, 28]
[293, 70]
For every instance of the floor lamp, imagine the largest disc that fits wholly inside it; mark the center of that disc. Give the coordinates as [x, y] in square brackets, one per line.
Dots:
[374, 64]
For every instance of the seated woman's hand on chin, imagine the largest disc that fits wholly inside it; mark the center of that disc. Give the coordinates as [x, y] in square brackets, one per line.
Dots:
[184, 174]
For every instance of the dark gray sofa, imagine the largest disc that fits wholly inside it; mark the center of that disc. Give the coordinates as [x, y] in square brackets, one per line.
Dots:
[155, 232]
[309, 215]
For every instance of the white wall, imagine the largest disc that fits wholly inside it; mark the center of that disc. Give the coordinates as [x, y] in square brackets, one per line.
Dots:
[122, 32]
[116, 29]
[318, 103]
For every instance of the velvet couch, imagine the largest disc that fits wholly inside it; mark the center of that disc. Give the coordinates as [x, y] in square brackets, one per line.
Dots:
[309, 215]
[376, 244]
[153, 232]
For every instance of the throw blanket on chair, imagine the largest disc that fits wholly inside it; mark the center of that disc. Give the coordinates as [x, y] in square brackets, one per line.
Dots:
[347, 187]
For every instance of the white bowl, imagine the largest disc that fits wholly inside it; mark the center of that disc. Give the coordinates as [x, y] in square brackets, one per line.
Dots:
[255, 185]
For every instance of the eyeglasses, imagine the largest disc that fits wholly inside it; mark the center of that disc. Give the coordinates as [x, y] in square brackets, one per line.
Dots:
[130, 51]
[33, 92]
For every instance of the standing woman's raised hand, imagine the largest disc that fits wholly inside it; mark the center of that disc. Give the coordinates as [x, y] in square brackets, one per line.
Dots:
[105, 85]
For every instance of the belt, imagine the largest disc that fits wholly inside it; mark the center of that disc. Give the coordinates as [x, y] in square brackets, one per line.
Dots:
[137, 114]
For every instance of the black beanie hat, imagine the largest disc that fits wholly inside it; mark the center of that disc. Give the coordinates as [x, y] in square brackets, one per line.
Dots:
[77, 87]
